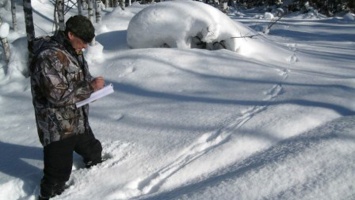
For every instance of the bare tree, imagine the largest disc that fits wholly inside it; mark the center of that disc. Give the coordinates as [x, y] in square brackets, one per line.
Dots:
[122, 4]
[13, 12]
[115, 3]
[3, 37]
[80, 7]
[107, 3]
[59, 14]
[98, 10]
[27, 7]
[90, 10]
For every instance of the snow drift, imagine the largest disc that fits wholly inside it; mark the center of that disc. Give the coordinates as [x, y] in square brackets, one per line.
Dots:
[156, 26]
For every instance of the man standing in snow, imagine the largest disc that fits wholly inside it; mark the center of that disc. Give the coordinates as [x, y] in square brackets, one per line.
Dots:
[60, 78]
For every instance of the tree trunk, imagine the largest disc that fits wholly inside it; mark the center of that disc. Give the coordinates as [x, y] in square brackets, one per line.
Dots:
[98, 11]
[107, 4]
[114, 3]
[80, 7]
[90, 10]
[4, 41]
[13, 11]
[27, 7]
[122, 4]
[6, 47]
[59, 7]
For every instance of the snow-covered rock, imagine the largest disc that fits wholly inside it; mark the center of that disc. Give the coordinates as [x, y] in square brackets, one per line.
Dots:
[161, 25]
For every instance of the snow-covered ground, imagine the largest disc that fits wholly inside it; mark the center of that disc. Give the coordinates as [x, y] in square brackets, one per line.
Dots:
[273, 120]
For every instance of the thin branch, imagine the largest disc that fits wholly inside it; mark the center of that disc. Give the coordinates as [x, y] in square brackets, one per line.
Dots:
[246, 36]
[274, 22]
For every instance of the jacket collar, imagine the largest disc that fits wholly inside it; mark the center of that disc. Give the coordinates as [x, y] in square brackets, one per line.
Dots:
[63, 39]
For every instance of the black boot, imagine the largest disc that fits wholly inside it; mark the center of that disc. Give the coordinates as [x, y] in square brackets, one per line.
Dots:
[50, 189]
[42, 198]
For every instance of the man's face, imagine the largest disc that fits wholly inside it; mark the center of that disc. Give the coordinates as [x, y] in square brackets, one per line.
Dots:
[77, 43]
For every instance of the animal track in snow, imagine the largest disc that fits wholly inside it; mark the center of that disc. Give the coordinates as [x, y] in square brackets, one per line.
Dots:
[292, 59]
[127, 71]
[292, 47]
[283, 72]
[153, 182]
[199, 147]
[275, 91]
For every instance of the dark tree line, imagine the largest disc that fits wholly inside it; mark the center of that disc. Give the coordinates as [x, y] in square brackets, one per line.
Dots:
[326, 7]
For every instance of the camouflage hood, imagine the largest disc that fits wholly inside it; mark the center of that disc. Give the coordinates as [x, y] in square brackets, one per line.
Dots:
[47, 42]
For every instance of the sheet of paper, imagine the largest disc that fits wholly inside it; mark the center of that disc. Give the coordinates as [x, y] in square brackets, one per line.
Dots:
[96, 95]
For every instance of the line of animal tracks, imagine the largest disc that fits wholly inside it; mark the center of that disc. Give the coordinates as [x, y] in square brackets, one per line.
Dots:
[201, 145]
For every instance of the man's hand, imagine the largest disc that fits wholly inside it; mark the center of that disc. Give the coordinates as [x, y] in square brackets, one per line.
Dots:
[98, 83]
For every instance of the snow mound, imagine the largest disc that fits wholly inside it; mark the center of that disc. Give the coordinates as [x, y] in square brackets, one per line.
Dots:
[349, 17]
[269, 15]
[160, 25]
[4, 30]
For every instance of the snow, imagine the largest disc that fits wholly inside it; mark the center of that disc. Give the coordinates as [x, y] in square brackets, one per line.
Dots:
[4, 30]
[270, 119]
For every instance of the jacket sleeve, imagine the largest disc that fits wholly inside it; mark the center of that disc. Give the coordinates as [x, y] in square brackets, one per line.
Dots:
[61, 82]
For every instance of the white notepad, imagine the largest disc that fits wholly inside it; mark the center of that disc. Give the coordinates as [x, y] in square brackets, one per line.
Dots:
[96, 95]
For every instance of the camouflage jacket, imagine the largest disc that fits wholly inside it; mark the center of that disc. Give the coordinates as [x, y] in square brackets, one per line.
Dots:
[59, 78]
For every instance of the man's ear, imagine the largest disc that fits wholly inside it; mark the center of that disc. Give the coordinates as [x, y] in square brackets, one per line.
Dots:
[70, 35]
